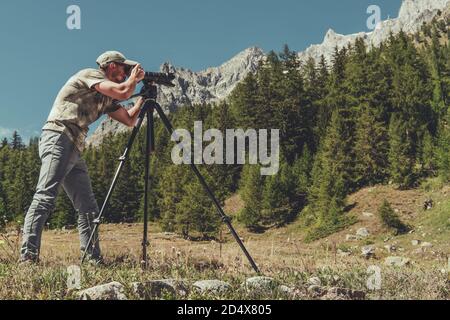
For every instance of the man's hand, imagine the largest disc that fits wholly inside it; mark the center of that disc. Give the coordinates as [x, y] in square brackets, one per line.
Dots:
[137, 73]
[122, 91]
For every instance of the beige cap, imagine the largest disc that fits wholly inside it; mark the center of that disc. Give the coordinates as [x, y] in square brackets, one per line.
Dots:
[114, 56]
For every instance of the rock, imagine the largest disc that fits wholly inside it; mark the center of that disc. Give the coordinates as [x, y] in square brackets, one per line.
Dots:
[314, 281]
[419, 250]
[343, 253]
[367, 251]
[415, 242]
[260, 284]
[109, 291]
[212, 286]
[286, 290]
[367, 214]
[351, 237]
[336, 292]
[390, 248]
[157, 288]
[316, 291]
[362, 233]
[426, 245]
[396, 261]
[428, 204]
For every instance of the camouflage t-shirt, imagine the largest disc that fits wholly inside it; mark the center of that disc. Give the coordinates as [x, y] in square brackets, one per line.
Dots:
[78, 105]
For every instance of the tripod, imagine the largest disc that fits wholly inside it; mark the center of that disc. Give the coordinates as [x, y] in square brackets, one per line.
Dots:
[149, 92]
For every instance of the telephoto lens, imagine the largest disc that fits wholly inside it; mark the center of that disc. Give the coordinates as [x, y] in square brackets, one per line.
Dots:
[160, 78]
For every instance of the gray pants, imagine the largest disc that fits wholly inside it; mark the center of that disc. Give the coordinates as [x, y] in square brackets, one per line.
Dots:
[61, 166]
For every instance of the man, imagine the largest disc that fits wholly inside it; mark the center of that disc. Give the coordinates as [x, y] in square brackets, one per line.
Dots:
[83, 99]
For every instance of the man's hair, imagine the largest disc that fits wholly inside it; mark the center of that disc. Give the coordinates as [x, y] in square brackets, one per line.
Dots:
[105, 67]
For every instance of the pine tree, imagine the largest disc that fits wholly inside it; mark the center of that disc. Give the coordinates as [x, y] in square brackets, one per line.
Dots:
[401, 153]
[301, 171]
[195, 212]
[331, 182]
[4, 143]
[173, 178]
[244, 102]
[251, 187]
[16, 142]
[223, 177]
[276, 203]
[443, 148]
[410, 96]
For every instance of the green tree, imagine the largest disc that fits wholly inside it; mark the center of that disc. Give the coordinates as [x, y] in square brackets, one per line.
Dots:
[251, 187]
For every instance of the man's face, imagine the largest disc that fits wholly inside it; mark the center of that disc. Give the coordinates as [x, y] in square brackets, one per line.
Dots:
[117, 72]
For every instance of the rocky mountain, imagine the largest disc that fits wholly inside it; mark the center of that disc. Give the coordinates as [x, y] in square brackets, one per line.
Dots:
[413, 13]
[215, 84]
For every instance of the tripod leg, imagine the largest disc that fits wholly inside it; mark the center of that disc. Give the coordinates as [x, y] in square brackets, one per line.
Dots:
[122, 160]
[220, 211]
[149, 149]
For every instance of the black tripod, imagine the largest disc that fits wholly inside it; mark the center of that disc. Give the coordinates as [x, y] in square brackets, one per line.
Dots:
[149, 92]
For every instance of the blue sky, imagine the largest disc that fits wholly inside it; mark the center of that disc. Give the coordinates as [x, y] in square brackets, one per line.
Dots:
[39, 53]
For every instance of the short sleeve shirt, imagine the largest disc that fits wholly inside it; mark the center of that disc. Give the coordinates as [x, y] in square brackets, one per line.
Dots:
[78, 104]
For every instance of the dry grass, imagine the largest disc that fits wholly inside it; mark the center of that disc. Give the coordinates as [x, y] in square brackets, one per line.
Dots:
[280, 253]
[283, 258]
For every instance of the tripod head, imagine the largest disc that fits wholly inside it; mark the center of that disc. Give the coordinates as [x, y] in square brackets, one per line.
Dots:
[152, 79]
[160, 78]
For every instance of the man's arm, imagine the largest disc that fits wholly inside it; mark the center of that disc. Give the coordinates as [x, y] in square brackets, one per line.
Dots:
[121, 91]
[128, 117]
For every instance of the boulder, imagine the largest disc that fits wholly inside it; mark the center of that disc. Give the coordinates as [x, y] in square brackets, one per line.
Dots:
[336, 292]
[390, 248]
[314, 281]
[426, 245]
[342, 253]
[362, 233]
[157, 288]
[283, 289]
[109, 291]
[260, 284]
[212, 286]
[396, 261]
[316, 291]
[367, 251]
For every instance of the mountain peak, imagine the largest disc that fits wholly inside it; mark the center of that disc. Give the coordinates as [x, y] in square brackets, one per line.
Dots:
[412, 14]
[330, 35]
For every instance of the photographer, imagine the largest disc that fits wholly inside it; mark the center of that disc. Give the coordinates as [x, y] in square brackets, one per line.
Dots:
[83, 99]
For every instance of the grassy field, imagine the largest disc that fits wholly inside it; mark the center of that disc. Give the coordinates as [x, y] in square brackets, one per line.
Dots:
[280, 253]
